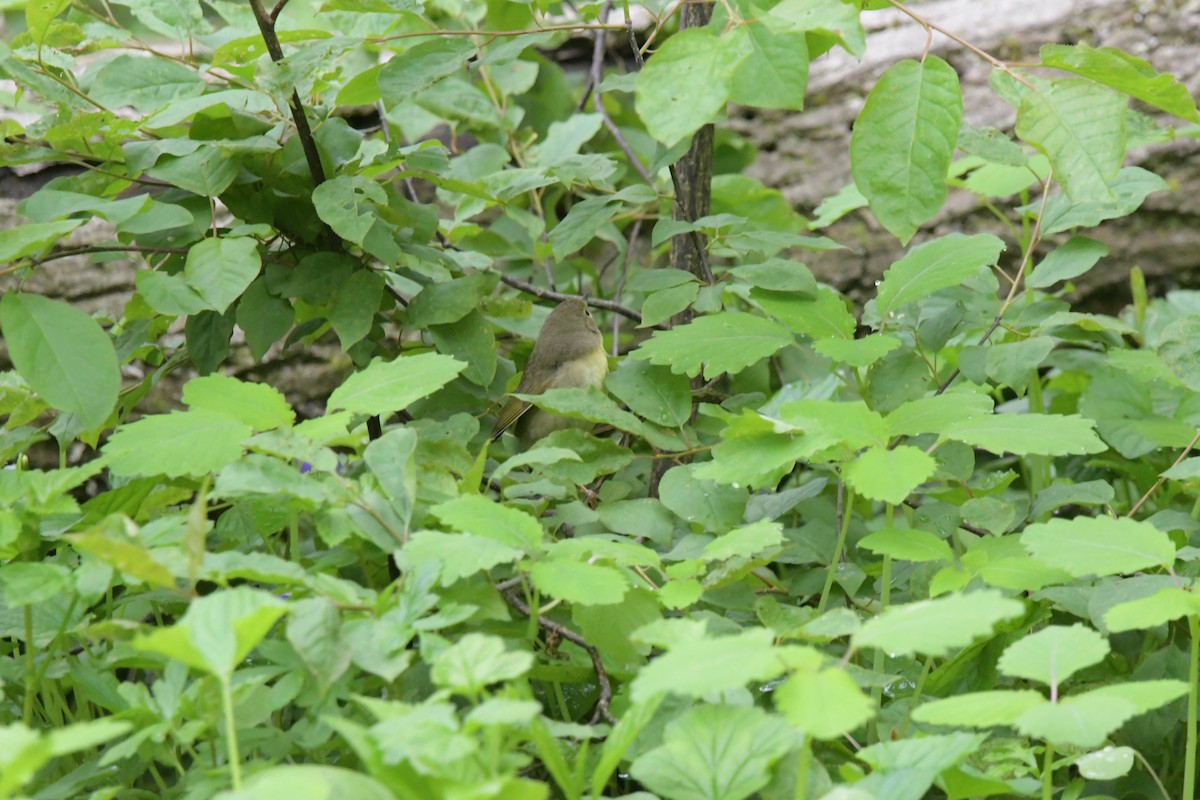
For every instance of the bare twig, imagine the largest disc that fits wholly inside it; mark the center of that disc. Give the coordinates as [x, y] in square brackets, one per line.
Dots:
[548, 294]
[266, 26]
[1162, 479]
[605, 698]
[277, 10]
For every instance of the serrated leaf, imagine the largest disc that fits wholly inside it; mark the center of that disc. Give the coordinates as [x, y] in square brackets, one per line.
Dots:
[938, 264]
[857, 352]
[1053, 654]
[979, 709]
[260, 406]
[903, 141]
[580, 583]
[1028, 434]
[889, 475]
[64, 355]
[748, 540]
[1098, 545]
[1125, 73]
[932, 414]
[715, 664]
[907, 545]
[1081, 721]
[651, 391]
[386, 386]
[1152, 611]
[475, 661]
[937, 627]
[176, 444]
[728, 341]
[1080, 127]
[484, 517]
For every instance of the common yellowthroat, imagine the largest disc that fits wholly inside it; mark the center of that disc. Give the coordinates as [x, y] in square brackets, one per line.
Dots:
[568, 354]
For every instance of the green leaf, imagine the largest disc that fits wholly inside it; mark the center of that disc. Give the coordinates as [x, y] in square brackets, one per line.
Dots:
[260, 406]
[1152, 611]
[938, 264]
[1125, 73]
[176, 444]
[387, 386]
[1144, 695]
[685, 84]
[1053, 654]
[1098, 545]
[347, 203]
[1069, 260]
[979, 709]
[308, 782]
[937, 627]
[852, 422]
[476, 661]
[728, 341]
[825, 316]
[889, 475]
[907, 545]
[444, 302]
[723, 663]
[169, 294]
[584, 584]
[26, 240]
[653, 392]
[206, 171]
[1131, 186]
[715, 753]
[470, 340]
[826, 704]
[421, 66]
[31, 583]
[40, 14]
[692, 499]
[147, 84]
[775, 72]
[64, 355]
[857, 352]
[837, 19]
[746, 541]
[127, 555]
[262, 316]
[207, 335]
[219, 270]
[778, 275]
[587, 403]
[1028, 434]
[903, 141]
[1079, 721]
[1080, 127]
[484, 517]
[354, 306]
[217, 631]
[581, 223]
[460, 555]
[1177, 348]
[932, 414]
[1106, 764]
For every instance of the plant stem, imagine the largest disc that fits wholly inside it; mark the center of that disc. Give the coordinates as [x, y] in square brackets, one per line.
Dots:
[30, 672]
[843, 527]
[231, 741]
[804, 764]
[1189, 762]
[1048, 773]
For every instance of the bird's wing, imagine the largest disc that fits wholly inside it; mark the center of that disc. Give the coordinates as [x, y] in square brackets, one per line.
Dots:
[515, 408]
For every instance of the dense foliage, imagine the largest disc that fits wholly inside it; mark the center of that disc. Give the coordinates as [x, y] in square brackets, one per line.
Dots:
[942, 544]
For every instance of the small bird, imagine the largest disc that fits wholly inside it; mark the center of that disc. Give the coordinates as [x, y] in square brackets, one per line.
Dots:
[569, 353]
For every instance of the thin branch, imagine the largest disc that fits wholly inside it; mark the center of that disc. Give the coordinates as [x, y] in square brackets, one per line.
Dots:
[87, 251]
[266, 26]
[547, 294]
[491, 36]
[277, 10]
[595, 74]
[602, 702]
[1162, 479]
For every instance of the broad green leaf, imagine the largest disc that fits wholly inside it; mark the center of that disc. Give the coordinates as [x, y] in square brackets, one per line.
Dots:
[581, 223]
[347, 204]
[889, 475]
[937, 627]
[666, 303]
[262, 316]
[219, 270]
[826, 704]
[979, 709]
[207, 171]
[850, 422]
[1028, 434]
[580, 583]
[991, 145]
[857, 352]
[1177, 349]
[1131, 186]
[1152, 611]
[80, 736]
[1144, 695]
[1125, 73]
[26, 240]
[475, 661]
[1069, 260]
[1080, 127]
[713, 664]
[217, 631]
[906, 768]
[169, 294]
[1098, 545]
[443, 302]
[421, 66]
[459, 555]
[125, 554]
[903, 141]
[1080, 721]
[685, 84]
[483, 517]
[837, 19]
[64, 355]
[1106, 764]
[176, 444]
[390, 459]
[541, 456]
[653, 392]
[260, 406]
[1053, 654]
[938, 264]
[147, 84]
[40, 14]
[836, 206]
[748, 540]
[471, 340]
[354, 306]
[386, 386]
[778, 275]
[750, 452]
[823, 317]
[29, 583]
[728, 341]
[907, 545]
[620, 739]
[932, 414]
[775, 72]
[715, 753]
[587, 403]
